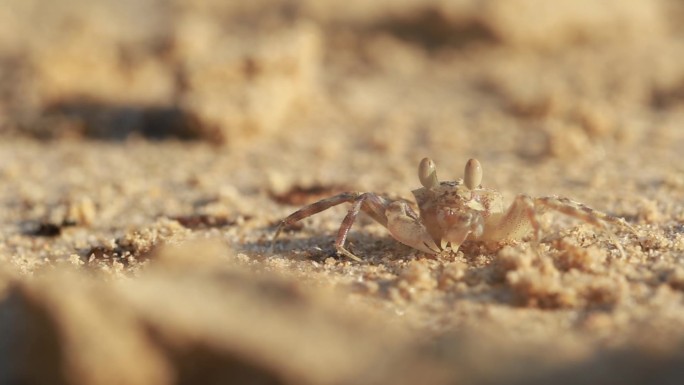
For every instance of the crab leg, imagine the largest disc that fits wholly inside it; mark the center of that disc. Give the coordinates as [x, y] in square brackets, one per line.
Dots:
[580, 211]
[522, 215]
[515, 223]
[586, 214]
[374, 204]
[370, 203]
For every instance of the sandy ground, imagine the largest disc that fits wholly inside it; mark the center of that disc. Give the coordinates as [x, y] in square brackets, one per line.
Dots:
[145, 162]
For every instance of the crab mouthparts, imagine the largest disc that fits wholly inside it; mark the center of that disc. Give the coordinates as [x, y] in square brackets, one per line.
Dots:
[454, 237]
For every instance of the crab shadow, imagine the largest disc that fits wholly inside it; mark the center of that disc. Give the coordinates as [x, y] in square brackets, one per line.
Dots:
[318, 248]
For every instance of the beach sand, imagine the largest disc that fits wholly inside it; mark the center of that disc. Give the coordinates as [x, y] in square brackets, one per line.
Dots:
[148, 151]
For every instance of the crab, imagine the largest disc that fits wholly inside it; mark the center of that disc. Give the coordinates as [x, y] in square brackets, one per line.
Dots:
[453, 212]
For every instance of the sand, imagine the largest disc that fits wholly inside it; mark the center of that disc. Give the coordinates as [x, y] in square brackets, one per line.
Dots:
[145, 162]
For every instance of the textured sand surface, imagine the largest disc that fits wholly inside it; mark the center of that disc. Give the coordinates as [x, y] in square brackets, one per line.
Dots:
[145, 162]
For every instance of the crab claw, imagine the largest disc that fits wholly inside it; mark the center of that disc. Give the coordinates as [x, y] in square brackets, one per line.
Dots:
[408, 230]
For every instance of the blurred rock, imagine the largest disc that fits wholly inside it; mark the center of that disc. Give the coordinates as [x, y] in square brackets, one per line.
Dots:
[521, 23]
[221, 71]
[111, 69]
[247, 82]
[185, 323]
[66, 329]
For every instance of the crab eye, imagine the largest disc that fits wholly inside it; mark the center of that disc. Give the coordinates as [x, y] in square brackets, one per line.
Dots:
[473, 174]
[427, 173]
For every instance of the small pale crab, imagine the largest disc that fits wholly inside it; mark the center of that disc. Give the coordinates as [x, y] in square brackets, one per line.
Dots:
[452, 212]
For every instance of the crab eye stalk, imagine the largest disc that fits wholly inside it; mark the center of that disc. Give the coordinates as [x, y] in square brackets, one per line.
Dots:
[473, 174]
[427, 173]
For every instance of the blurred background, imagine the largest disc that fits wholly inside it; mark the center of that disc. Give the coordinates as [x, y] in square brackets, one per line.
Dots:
[575, 80]
[568, 79]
